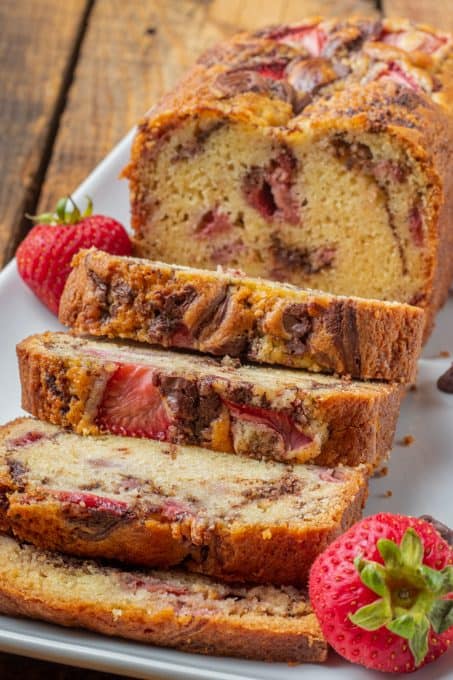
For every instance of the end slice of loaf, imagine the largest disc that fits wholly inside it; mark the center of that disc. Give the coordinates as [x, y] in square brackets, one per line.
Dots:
[166, 608]
[158, 505]
[316, 153]
[227, 313]
[98, 386]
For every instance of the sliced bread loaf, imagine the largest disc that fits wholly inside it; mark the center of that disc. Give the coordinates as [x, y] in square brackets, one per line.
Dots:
[154, 504]
[293, 416]
[167, 608]
[227, 313]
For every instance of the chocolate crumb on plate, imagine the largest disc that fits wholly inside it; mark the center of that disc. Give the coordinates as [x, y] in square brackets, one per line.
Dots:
[407, 440]
[445, 382]
[382, 472]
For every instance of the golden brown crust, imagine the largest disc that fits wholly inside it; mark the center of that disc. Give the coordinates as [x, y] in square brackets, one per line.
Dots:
[261, 639]
[251, 555]
[349, 95]
[139, 532]
[221, 313]
[63, 382]
[199, 637]
[203, 87]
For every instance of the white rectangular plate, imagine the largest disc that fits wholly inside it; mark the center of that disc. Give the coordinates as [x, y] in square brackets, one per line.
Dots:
[420, 479]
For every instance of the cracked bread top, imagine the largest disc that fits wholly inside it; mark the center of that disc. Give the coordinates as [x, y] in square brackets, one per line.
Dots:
[284, 76]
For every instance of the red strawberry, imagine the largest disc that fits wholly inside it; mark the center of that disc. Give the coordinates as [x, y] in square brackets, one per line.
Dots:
[44, 256]
[132, 405]
[382, 593]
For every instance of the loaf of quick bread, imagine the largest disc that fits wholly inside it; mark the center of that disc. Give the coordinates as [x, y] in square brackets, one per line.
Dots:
[167, 608]
[227, 313]
[98, 386]
[157, 504]
[315, 153]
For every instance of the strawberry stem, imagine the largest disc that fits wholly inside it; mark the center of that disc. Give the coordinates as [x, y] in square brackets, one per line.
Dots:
[66, 212]
[89, 208]
[411, 594]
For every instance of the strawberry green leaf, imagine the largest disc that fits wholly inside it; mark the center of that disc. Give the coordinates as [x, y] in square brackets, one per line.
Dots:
[411, 548]
[66, 212]
[60, 209]
[447, 573]
[418, 643]
[435, 580]
[441, 615]
[373, 576]
[43, 218]
[73, 216]
[390, 552]
[373, 616]
[404, 626]
[410, 593]
[89, 207]
[359, 563]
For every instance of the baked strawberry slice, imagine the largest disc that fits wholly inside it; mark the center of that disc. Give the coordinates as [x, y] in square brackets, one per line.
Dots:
[396, 73]
[268, 189]
[153, 585]
[414, 40]
[174, 510]
[293, 438]
[383, 593]
[133, 406]
[213, 223]
[415, 221]
[92, 502]
[312, 38]
[273, 69]
[25, 439]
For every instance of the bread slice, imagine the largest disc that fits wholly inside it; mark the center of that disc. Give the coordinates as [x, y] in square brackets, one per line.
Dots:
[227, 313]
[154, 504]
[166, 608]
[101, 386]
[316, 153]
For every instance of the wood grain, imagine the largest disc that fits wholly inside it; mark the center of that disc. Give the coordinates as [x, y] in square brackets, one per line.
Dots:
[437, 14]
[133, 52]
[37, 45]
[21, 668]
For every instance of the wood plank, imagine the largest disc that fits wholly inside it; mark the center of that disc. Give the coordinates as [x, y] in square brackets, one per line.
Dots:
[18, 668]
[133, 52]
[437, 14]
[38, 41]
[288, 11]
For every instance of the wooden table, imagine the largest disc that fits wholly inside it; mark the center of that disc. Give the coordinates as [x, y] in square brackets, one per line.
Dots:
[77, 74]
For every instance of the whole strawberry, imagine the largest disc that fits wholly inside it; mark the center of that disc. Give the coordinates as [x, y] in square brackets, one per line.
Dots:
[382, 593]
[44, 256]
